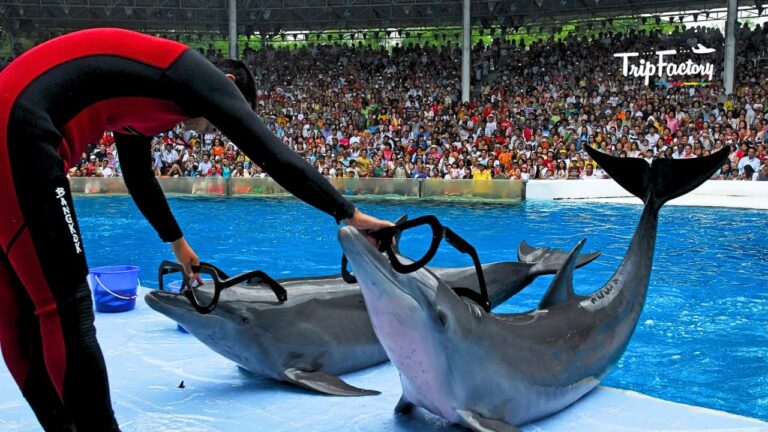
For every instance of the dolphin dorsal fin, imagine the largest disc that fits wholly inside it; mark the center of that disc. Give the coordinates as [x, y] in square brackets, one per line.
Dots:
[561, 288]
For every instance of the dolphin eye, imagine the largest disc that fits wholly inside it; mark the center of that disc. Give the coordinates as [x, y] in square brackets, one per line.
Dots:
[244, 319]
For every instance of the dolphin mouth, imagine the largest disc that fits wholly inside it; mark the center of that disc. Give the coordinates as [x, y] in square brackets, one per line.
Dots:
[366, 259]
[167, 303]
[353, 240]
[173, 305]
[358, 250]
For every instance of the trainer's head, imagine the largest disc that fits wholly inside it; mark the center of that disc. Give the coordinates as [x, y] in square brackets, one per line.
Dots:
[241, 74]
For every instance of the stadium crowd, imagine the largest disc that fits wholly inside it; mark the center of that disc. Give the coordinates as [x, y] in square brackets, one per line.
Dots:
[359, 112]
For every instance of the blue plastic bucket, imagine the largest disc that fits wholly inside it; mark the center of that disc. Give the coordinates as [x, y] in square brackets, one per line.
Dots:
[114, 287]
[175, 286]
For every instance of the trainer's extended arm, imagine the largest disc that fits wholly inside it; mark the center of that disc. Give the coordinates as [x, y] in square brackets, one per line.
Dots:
[203, 90]
[135, 152]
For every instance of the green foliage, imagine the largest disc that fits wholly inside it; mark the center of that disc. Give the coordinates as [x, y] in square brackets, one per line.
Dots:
[432, 36]
[5, 44]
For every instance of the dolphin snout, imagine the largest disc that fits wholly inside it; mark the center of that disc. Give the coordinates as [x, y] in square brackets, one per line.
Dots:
[351, 239]
[173, 305]
[362, 256]
[375, 273]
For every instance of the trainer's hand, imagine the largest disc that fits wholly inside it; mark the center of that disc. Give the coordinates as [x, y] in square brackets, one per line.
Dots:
[364, 223]
[187, 258]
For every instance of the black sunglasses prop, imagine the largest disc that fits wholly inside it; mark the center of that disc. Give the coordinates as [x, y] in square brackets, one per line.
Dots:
[439, 232]
[220, 282]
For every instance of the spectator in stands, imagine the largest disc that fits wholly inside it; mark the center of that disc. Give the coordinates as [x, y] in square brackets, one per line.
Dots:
[763, 175]
[90, 167]
[101, 153]
[205, 165]
[561, 172]
[170, 156]
[589, 173]
[537, 103]
[482, 173]
[748, 174]
[750, 160]
[226, 169]
[106, 169]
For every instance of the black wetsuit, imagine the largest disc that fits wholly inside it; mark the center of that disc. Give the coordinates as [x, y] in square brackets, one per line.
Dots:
[54, 100]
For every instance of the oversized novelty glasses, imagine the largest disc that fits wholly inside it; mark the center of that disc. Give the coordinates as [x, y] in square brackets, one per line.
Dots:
[204, 302]
[439, 232]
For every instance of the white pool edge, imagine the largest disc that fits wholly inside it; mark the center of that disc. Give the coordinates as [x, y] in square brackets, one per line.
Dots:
[689, 201]
[713, 193]
[696, 408]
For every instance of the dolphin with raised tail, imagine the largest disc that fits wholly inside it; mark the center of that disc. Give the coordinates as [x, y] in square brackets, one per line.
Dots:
[494, 372]
[323, 329]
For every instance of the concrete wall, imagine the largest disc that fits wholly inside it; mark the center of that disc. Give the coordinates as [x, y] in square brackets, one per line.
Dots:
[502, 190]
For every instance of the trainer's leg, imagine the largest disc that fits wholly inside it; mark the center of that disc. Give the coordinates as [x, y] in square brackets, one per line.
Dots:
[49, 260]
[23, 352]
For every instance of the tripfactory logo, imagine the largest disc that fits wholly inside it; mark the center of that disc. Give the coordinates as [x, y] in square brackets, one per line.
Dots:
[663, 67]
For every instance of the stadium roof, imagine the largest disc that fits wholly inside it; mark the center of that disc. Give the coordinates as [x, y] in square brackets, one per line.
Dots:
[275, 16]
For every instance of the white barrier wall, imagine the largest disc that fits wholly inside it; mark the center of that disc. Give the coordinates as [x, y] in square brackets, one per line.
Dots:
[713, 193]
[573, 189]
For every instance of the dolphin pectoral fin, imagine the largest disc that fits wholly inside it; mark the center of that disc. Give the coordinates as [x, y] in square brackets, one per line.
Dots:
[404, 406]
[561, 288]
[478, 423]
[324, 383]
[585, 259]
[548, 260]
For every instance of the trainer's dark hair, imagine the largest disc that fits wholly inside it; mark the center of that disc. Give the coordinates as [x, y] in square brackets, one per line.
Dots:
[244, 79]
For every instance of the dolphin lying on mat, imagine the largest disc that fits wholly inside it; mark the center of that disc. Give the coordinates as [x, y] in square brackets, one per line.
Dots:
[323, 329]
[493, 372]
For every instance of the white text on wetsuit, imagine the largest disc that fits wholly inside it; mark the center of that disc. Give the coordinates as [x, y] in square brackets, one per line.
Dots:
[60, 192]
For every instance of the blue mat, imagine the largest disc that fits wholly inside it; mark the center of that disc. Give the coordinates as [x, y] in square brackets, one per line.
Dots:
[148, 358]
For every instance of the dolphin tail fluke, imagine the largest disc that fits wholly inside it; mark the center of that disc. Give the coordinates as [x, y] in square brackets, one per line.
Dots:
[478, 423]
[549, 260]
[561, 288]
[665, 180]
[324, 383]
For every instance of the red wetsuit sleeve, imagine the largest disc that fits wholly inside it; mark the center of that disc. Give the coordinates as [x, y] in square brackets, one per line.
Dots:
[136, 164]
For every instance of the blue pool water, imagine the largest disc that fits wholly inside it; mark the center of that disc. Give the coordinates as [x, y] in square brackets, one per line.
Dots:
[703, 336]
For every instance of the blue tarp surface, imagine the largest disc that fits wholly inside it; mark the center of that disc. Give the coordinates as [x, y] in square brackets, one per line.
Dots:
[148, 358]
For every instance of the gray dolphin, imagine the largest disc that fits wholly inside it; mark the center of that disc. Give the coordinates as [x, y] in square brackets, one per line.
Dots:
[323, 329]
[492, 372]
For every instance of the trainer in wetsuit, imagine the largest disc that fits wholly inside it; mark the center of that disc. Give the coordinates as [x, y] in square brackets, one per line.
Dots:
[54, 100]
